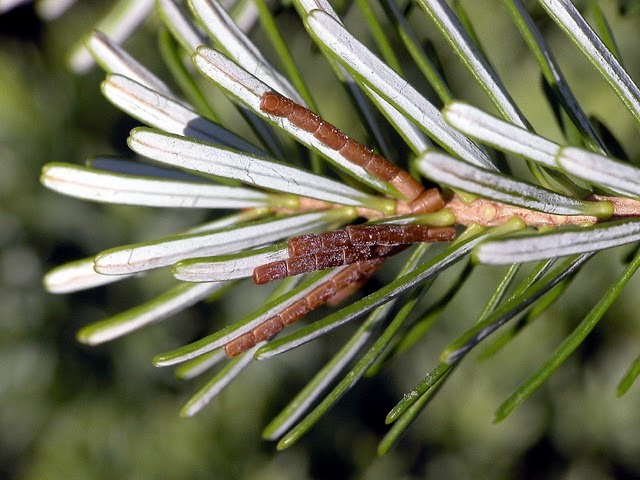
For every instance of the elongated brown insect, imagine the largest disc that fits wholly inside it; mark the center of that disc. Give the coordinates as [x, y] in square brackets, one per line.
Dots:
[351, 150]
[351, 275]
[308, 263]
[367, 235]
[342, 247]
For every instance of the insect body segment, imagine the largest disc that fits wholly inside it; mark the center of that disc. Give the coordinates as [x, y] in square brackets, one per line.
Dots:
[280, 106]
[367, 235]
[342, 247]
[428, 201]
[332, 288]
[308, 263]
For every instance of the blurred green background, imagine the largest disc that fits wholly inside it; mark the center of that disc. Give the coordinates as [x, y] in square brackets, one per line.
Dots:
[70, 411]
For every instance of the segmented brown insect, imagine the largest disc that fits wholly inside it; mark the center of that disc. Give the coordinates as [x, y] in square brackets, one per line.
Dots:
[342, 247]
[353, 151]
[308, 263]
[351, 275]
[367, 235]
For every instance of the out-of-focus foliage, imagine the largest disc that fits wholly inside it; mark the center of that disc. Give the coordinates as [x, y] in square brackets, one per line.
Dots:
[68, 411]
